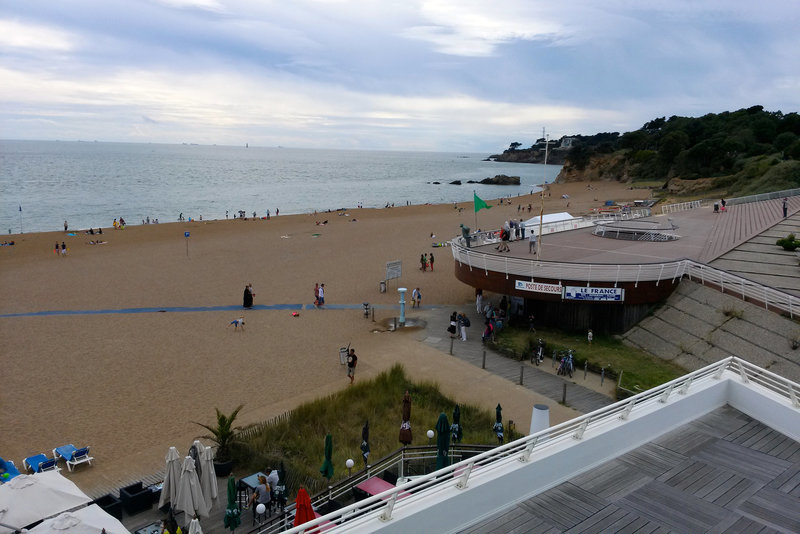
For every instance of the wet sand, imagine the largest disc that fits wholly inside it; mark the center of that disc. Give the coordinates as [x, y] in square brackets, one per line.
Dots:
[129, 384]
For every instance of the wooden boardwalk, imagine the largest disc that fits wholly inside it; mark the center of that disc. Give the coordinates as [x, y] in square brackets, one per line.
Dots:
[723, 472]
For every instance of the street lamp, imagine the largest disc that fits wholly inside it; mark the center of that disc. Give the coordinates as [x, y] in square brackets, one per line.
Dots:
[430, 436]
[349, 463]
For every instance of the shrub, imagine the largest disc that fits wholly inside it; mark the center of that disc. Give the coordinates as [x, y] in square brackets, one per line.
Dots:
[788, 243]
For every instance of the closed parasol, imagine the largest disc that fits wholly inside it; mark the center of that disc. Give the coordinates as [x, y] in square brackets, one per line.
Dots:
[456, 432]
[327, 465]
[172, 475]
[405, 425]
[442, 441]
[365, 442]
[498, 424]
[232, 517]
[303, 512]
[190, 496]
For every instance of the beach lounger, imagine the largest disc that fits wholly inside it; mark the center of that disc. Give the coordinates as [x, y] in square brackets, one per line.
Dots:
[39, 463]
[9, 470]
[72, 455]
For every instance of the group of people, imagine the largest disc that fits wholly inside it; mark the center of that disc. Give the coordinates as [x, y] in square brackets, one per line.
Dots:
[119, 225]
[60, 249]
[319, 295]
[425, 262]
[265, 492]
[459, 323]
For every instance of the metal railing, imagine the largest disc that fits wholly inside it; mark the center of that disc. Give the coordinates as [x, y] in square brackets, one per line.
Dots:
[771, 299]
[580, 273]
[410, 461]
[694, 204]
[525, 449]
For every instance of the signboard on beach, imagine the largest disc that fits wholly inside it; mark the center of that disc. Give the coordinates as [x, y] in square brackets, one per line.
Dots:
[394, 269]
[600, 294]
[536, 287]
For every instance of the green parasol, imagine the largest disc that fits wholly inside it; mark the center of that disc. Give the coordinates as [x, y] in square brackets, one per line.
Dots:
[327, 465]
[455, 429]
[498, 424]
[232, 518]
[442, 441]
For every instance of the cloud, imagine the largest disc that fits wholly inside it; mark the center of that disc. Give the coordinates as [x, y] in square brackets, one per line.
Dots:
[23, 36]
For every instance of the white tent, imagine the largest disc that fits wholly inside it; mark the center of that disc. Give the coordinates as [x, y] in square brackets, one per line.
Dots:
[89, 520]
[549, 218]
[26, 499]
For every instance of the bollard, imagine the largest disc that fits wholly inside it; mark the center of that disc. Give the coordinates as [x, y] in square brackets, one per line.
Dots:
[554, 359]
[395, 322]
[602, 376]
[451, 346]
[585, 368]
[564, 394]
[619, 382]
[483, 363]
[521, 373]
[373, 314]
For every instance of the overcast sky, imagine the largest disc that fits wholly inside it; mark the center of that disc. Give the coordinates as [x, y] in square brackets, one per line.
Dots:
[412, 75]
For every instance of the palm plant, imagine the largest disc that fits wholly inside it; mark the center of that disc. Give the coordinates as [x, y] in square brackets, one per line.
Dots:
[223, 434]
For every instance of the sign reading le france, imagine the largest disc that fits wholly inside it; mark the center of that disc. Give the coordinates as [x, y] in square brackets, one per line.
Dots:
[613, 294]
[524, 285]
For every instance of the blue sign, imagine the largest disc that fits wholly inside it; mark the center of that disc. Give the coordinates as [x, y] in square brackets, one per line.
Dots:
[185, 234]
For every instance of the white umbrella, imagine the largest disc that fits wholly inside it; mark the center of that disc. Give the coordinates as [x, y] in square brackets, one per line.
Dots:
[208, 480]
[89, 520]
[190, 495]
[172, 475]
[26, 499]
[194, 527]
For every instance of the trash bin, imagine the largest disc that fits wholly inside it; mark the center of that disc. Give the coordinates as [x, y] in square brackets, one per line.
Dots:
[343, 355]
[383, 286]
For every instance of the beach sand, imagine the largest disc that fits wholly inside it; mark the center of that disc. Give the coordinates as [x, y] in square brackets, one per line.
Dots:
[129, 384]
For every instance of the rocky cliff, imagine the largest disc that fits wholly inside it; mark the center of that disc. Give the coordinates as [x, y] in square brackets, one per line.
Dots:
[613, 167]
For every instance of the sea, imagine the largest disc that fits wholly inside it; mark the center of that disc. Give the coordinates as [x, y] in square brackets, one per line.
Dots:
[89, 184]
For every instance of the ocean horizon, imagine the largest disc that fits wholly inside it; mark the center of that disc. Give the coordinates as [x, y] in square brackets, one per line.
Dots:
[89, 184]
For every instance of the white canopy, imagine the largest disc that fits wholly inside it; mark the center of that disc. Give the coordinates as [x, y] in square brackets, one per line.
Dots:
[26, 499]
[89, 520]
[549, 218]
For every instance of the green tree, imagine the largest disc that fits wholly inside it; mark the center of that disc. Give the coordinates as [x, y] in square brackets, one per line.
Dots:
[513, 146]
[671, 145]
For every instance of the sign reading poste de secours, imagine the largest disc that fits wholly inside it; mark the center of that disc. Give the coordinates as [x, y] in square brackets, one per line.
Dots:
[523, 285]
[612, 294]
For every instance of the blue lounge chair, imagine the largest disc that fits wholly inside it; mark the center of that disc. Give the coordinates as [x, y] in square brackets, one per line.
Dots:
[9, 470]
[72, 455]
[39, 463]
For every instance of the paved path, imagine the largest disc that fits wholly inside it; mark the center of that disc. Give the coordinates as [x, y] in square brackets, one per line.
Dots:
[472, 351]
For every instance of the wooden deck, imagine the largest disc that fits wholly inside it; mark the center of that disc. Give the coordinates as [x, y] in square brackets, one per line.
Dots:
[704, 236]
[724, 472]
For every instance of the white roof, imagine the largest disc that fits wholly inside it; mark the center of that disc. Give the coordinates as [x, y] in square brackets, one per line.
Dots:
[549, 218]
[26, 499]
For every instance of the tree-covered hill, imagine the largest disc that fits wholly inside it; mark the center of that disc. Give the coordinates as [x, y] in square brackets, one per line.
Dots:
[748, 150]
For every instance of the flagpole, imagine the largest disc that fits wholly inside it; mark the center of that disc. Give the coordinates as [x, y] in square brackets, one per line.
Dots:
[474, 194]
[541, 210]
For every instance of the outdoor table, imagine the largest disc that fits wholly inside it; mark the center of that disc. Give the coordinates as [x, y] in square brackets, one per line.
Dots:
[247, 485]
[376, 485]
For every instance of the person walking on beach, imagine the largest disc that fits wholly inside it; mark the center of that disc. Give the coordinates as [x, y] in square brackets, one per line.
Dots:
[321, 298]
[66, 226]
[431, 261]
[247, 300]
[316, 294]
[422, 262]
[63, 249]
[416, 298]
[55, 250]
[352, 361]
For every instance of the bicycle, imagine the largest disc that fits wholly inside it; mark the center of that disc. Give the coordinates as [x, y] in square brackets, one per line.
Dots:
[567, 364]
[537, 356]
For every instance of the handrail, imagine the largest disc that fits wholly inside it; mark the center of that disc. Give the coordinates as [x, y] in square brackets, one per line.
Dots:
[458, 475]
[694, 204]
[748, 290]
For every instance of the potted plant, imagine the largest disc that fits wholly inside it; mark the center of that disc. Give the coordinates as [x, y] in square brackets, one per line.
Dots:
[225, 437]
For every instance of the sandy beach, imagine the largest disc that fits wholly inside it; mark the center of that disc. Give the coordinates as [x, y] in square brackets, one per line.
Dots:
[129, 384]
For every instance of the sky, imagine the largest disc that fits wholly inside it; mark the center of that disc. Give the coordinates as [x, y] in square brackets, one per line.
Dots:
[422, 75]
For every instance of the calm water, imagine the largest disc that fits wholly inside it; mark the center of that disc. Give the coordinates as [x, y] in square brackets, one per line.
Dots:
[91, 184]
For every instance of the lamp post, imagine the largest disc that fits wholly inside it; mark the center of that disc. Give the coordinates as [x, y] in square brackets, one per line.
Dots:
[402, 291]
[430, 437]
[349, 463]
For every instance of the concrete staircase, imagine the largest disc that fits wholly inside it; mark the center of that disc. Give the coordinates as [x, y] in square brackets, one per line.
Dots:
[698, 325]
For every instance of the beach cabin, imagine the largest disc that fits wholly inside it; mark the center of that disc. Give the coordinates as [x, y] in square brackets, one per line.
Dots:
[549, 220]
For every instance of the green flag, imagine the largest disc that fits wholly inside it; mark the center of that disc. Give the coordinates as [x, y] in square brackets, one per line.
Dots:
[480, 204]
